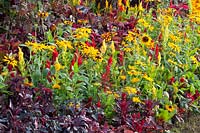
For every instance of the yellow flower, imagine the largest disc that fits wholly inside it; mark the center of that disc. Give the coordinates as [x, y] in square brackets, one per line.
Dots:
[70, 104]
[43, 14]
[127, 49]
[134, 72]
[30, 84]
[116, 95]
[136, 100]
[159, 58]
[194, 59]
[140, 7]
[107, 36]
[103, 47]
[171, 61]
[112, 47]
[107, 4]
[21, 60]
[143, 22]
[123, 77]
[56, 86]
[131, 67]
[154, 92]
[82, 33]
[174, 47]
[130, 90]
[146, 40]
[135, 80]
[10, 60]
[36, 47]
[64, 44]
[109, 92]
[147, 78]
[170, 108]
[57, 66]
[67, 22]
[83, 21]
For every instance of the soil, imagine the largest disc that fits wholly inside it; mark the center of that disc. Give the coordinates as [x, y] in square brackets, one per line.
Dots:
[191, 125]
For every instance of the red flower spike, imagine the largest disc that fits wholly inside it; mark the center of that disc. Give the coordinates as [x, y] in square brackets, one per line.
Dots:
[110, 61]
[55, 55]
[48, 64]
[98, 104]
[157, 51]
[80, 60]
[172, 80]
[182, 79]
[121, 57]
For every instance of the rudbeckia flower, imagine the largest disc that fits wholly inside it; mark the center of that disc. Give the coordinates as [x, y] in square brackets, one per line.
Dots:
[146, 40]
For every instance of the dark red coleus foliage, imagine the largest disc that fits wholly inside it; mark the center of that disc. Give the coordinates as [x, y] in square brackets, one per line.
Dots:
[193, 97]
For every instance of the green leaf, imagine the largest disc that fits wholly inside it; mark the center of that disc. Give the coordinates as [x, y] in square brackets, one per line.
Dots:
[75, 67]
[49, 36]
[2, 85]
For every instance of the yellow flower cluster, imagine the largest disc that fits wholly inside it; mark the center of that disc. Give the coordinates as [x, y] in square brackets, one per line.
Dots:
[39, 46]
[107, 36]
[43, 14]
[91, 52]
[82, 33]
[10, 60]
[195, 15]
[21, 61]
[136, 100]
[64, 44]
[130, 90]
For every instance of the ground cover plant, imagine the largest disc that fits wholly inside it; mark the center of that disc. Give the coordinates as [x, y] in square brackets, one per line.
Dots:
[98, 66]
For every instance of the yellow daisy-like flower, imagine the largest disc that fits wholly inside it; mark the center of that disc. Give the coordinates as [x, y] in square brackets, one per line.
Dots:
[136, 100]
[82, 33]
[116, 95]
[122, 77]
[131, 67]
[109, 92]
[56, 86]
[134, 72]
[64, 44]
[58, 66]
[10, 60]
[146, 40]
[171, 61]
[130, 90]
[170, 108]
[194, 59]
[30, 84]
[174, 47]
[43, 14]
[67, 22]
[135, 80]
[145, 76]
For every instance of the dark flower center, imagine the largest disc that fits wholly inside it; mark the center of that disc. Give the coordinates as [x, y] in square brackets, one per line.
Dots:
[145, 39]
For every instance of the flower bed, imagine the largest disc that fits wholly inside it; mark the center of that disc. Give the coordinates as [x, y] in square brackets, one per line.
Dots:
[79, 67]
